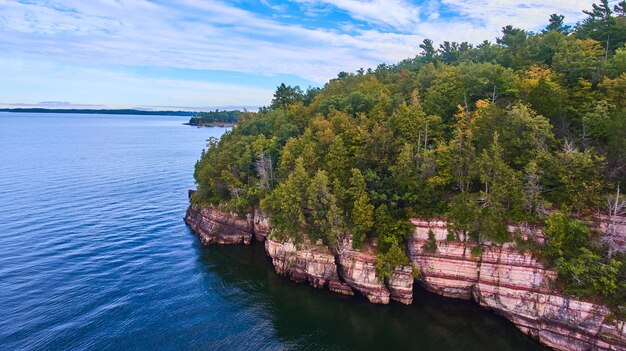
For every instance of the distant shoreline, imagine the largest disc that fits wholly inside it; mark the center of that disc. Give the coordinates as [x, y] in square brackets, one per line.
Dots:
[197, 122]
[102, 111]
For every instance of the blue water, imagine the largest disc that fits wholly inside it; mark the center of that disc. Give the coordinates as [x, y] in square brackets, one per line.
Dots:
[94, 255]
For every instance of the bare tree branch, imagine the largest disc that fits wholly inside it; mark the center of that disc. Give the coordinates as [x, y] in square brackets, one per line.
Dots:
[611, 237]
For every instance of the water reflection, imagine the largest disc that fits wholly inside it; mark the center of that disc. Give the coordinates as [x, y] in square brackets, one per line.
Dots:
[305, 318]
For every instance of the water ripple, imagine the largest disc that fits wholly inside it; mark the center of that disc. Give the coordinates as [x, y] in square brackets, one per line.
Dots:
[94, 255]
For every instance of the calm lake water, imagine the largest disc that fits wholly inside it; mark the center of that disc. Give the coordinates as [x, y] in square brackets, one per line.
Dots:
[94, 255]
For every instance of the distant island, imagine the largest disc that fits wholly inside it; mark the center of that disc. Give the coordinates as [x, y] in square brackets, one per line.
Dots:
[215, 118]
[101, 111]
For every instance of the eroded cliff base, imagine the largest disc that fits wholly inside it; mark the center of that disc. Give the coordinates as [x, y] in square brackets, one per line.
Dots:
[516, 286]
[512, 284]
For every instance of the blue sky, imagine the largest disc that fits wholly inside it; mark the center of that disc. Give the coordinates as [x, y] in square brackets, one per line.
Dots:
[199, 54]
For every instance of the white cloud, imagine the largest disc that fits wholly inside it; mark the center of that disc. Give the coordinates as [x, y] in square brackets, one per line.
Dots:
[398, 14]
[54, 82]
[273, 6]
[213, 35]
[200, 35]
[425, 19]
[529, 14]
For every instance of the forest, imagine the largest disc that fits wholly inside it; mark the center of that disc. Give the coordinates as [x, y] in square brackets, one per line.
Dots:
[529, 129]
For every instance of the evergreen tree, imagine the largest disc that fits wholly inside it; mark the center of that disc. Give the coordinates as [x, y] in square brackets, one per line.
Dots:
[362, 220]
[603, 26]
[324, 216]
[337, 161]
[620, 8]
[286, 203]
[464, 216]
[463, 152]
[501, 193]
[286, 95]
[556, 24]
[428, 50]
[449, 52]
[358, 186]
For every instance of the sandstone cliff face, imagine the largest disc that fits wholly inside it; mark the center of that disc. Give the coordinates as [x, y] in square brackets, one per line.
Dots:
[308, 263]
[358, 270]
[214, 226]
[516, 286]
[342, 273]
[400, 284]
[303, 263]
[217, 227]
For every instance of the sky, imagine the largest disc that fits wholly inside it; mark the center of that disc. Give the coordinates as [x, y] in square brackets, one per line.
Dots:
[205, 54]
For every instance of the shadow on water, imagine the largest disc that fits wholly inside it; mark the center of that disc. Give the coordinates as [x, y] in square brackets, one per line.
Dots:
[311, 319]
[97, 257]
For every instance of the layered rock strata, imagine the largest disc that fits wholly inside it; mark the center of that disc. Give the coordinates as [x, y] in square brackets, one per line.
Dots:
[217, 227]
[308, 263]
[358, 270]
[516, 286]
[304, 263]
[500, 278]
[400, 284]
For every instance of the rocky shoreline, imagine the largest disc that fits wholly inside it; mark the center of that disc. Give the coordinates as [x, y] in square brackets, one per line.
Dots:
[512, 284]
[516, 286]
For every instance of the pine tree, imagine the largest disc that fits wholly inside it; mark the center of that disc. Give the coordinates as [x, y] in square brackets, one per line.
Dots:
[464, 215]
[600, 12]
[324, 217]
[337, 161]
[449, 51]
[358, 186]
[428, 50]
[620, 8]
[286, 203]
[556, 24]
[286, 95]
[463, 151]
[601, 25]
[362, 220]
[502, 192]
[533, 189]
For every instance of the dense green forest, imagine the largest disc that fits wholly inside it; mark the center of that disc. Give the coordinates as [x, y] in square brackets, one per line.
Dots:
[529, 129]
[213, 117]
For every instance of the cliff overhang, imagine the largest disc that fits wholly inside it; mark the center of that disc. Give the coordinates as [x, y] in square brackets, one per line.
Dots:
[502, 279]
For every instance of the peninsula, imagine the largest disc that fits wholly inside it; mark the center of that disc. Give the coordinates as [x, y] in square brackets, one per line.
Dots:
[492, 172]
[216, 118]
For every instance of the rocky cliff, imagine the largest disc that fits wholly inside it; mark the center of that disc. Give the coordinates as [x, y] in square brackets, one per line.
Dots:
[511, 283]
[400, 284]
[306, 262]
[215, 226]
[516, 286]
[218, 227]
[358, 270]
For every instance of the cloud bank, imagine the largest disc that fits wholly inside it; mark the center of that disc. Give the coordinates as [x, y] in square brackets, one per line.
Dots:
[59, 50]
